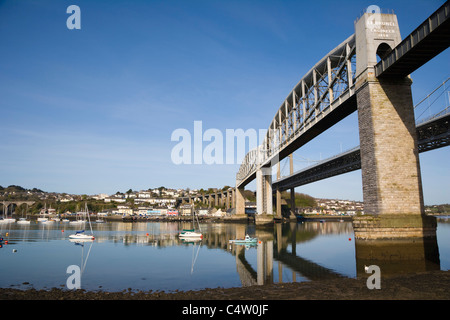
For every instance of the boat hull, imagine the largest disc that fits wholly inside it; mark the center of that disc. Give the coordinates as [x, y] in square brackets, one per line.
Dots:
[81, 237]
[244, 242]
[190, 235]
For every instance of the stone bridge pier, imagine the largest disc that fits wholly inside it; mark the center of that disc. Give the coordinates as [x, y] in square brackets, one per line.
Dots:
[392, 187]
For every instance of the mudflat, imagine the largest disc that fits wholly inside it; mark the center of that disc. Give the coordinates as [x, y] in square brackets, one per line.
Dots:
[433, 285]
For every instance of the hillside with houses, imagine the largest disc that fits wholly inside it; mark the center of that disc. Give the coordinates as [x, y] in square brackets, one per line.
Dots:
[166, 201]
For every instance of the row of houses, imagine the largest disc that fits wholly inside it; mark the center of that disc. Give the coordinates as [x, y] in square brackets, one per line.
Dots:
[144, 211]
[336, 207]
[184, 210]
[157, 193]
[153, 201]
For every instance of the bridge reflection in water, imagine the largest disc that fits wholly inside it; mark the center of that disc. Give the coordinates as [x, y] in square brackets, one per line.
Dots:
[280, 251]
[291, 251]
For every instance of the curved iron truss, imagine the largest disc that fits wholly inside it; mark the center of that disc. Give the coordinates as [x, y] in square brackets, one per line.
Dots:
[323, 89]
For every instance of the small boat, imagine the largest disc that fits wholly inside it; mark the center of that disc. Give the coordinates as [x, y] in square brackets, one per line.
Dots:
[246, 240]
[77, 221]
[42, 219]
[23, 221]
[65, 220]
[100, 221]
[80, 235]
[191, 233]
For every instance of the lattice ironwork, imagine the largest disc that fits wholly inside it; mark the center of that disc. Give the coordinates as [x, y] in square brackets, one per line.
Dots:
[319, 91]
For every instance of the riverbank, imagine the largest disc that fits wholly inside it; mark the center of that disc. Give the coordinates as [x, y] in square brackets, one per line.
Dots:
[434, 285]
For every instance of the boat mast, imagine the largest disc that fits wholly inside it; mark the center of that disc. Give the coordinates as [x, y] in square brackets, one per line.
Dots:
[89, 219]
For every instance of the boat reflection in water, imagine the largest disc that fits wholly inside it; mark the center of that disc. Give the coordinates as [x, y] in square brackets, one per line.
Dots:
[82, 243]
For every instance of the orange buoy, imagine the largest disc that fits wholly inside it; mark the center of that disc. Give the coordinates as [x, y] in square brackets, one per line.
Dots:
[349, 239]
[146, 234]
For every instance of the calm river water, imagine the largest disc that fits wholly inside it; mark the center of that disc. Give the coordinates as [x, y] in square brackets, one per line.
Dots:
[150, 256]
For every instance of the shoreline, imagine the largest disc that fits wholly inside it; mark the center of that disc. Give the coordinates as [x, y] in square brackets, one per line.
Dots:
[432, 285]
[232, 218]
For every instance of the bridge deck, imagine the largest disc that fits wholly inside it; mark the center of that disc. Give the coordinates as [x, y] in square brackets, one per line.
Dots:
[424, 43]
[431, 134]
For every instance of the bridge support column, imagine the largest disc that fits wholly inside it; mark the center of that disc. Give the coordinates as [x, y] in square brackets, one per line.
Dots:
[240, 201]
[216, 199]
[264, 204]
[263, 192]
[278, 214]
[291, 170]
[392, 187]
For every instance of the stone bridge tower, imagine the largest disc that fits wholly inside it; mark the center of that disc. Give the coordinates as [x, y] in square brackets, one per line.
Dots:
[392, 187]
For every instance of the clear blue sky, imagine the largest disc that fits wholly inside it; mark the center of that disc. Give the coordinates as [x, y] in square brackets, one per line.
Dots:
[92, 110]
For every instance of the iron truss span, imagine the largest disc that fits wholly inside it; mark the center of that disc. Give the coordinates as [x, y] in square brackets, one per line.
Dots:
[431, 134]
[323, 97]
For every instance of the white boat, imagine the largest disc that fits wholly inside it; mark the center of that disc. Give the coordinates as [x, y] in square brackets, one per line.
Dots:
[65, 220]
[23, 221]
[9, 220]
[100, 221]
[191, 233]
[79, 218]
[81, 235]
[42, 219]
[77, 222]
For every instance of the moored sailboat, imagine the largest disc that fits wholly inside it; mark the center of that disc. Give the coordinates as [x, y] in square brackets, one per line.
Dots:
[191, 233]
[24, 220]
[81, 235]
